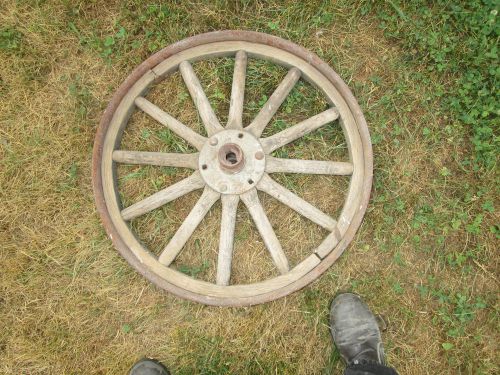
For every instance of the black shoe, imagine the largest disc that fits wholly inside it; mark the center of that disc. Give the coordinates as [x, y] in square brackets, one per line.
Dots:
[355, 331]
[148, 366]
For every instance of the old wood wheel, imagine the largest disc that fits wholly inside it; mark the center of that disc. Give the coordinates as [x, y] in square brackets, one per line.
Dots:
[232, 163]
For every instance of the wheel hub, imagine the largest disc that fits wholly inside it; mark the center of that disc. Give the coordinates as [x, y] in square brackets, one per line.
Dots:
[232, 162]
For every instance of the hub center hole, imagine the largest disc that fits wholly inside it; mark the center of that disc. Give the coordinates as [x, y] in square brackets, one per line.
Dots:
[231, 157]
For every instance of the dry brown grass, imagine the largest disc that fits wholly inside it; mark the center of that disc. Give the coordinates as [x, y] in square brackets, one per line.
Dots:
[70, 304]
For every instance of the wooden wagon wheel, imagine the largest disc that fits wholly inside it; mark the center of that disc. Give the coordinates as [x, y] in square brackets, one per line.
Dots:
[231, 164]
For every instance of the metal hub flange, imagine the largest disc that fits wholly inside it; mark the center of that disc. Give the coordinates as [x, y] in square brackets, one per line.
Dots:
[232, 161]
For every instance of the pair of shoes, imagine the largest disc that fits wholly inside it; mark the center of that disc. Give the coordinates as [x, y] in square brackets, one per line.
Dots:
[148, 366]
[355, 331]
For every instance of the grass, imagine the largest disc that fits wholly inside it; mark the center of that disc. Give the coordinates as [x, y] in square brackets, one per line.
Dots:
[425, 74]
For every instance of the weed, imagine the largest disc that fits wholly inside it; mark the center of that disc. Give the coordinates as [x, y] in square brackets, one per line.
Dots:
[194, 271]
[70, 178]
[83, 97]
[10, 39]
[475, 226]
[172, 142]
[108, 46]
[397, 287]
[140, 172]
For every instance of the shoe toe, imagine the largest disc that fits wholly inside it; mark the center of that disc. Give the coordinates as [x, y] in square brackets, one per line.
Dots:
[345, 304]
[148, 367]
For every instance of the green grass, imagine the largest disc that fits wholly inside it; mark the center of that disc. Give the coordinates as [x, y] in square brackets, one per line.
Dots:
[426, 76]
[457, 41]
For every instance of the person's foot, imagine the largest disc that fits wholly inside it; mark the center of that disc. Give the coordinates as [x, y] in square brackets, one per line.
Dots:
[148, 366]
[355, 331]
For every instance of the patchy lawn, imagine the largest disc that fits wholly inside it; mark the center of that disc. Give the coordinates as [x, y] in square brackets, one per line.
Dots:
[425, 257]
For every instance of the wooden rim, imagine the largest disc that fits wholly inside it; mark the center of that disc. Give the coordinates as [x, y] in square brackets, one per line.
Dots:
[240, 44]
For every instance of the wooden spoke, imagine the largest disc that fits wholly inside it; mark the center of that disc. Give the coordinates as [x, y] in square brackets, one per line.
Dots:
[197, 140]
[237, 92]
[228, 221]
[251, 200]
[285, 196]
[277, 165]
[188, 226]
[200, 99]
[164, 196]
[302, 128]
[156, 158]
[274, 102]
